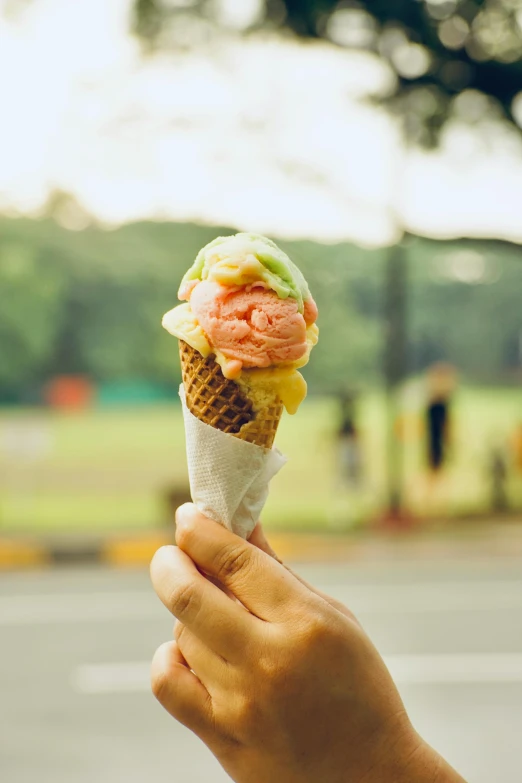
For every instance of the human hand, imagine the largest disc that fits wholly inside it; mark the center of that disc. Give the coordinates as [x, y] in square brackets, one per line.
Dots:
[259, 540]
[281, 684]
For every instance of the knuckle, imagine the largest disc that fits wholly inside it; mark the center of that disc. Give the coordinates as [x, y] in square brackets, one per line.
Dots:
[183, 601]
[247, 714]
[268, 668]
[159, 683]
[273, 665]
[160, 675]
[184, 535]
[231, 561]
[276, 676]
[318, 629]
[179, 630]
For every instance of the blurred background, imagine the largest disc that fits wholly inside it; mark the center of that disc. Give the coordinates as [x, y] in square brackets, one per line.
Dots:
[380, 145]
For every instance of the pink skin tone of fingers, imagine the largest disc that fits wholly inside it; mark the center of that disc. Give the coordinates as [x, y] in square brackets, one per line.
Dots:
[251, 325]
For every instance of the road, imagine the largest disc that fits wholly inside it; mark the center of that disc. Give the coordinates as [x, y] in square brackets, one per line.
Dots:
[75, 704]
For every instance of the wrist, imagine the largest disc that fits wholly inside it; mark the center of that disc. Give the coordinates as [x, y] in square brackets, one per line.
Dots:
[420, 764]
[409, 760]
[423, 765]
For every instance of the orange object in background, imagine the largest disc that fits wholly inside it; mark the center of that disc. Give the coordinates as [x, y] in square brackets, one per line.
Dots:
[73, 392]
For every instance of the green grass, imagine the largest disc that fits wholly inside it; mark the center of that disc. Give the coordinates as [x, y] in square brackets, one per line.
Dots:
[110, 468]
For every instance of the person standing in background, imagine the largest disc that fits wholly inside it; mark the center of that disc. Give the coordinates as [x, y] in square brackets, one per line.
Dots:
[516, 459]
[498, 476]
[349, 459]
[437, 420]
[517, 449]
[441, 382]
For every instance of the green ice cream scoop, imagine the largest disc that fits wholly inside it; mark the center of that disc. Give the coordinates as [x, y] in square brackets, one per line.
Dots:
[243, 259]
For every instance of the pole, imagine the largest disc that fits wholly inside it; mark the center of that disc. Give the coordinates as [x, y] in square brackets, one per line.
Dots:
[395, 369]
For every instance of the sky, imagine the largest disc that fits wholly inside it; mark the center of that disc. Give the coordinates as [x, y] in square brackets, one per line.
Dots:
[265, 134]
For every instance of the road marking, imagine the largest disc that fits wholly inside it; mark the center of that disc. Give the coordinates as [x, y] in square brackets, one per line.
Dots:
[430, 597]
[131, 677]
[134, 676]
[414, 598]
[455, 668]
[79, 608]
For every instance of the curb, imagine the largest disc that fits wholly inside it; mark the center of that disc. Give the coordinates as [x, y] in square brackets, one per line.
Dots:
[495, 540]
[133, 551]
[130, 550]
[22, 554]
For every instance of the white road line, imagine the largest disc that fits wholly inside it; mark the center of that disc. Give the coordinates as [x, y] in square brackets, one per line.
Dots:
[430, 597]
[79, 608]
[134, 676]
[455, 668]
[413, 598]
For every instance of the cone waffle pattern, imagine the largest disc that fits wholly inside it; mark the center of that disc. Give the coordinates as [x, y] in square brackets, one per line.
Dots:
[221, 403]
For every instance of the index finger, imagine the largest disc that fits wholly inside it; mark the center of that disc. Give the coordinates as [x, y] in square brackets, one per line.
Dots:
[262, 585]
[220, 623]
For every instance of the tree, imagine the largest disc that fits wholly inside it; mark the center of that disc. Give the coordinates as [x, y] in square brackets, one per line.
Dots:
[32, 284]
[438, 49]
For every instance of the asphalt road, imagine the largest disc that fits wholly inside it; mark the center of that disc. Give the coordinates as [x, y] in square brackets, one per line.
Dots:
[75, 705]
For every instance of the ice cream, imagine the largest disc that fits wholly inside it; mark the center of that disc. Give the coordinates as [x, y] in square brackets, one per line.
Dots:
[250, 307]
[251, 326]
[248, 258]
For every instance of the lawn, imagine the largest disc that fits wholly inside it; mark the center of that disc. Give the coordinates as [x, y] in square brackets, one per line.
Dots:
[110, 468]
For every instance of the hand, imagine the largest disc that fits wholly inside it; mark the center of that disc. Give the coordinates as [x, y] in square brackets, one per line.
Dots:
[259, 540]
[281, 684]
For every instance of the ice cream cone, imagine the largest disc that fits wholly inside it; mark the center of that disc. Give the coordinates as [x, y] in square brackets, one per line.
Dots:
[221, 403]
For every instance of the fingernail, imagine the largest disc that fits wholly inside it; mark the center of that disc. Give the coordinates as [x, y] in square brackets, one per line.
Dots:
[184, 514]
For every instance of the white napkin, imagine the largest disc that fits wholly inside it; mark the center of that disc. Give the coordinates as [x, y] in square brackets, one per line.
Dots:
[228, 477]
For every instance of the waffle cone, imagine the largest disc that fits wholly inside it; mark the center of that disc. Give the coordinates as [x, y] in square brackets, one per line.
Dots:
[221, 403]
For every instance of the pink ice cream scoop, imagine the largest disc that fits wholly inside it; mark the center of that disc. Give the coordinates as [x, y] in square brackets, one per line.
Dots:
[251, 325]
[310, 312]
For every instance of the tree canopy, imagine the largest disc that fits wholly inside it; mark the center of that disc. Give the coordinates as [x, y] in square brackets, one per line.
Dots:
[450, 57]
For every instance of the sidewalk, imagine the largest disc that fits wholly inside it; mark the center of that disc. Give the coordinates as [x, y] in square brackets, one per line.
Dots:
[442, 540]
